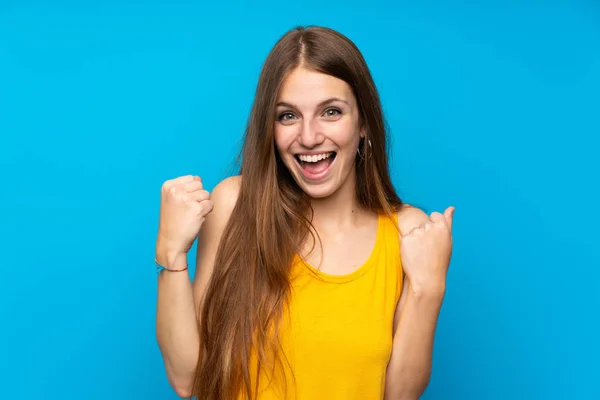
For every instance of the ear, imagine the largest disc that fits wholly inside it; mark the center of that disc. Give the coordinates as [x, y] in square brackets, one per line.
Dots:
[363, 132]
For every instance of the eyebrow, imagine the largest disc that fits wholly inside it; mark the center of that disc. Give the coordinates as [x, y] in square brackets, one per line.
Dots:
[321, 104]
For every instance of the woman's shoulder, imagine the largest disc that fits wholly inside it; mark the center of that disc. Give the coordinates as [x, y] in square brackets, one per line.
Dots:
[410, 217]
[225, 193]
[230, 185]
[223, 196]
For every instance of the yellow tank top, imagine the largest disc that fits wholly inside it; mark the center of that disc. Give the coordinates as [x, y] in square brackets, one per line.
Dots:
[337, 335]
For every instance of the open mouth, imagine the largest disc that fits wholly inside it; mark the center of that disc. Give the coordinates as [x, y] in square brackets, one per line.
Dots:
[315, 164]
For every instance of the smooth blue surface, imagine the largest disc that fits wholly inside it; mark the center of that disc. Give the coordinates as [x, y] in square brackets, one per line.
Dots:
[494, 108]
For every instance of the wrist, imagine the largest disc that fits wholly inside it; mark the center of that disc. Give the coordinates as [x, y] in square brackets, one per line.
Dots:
[170, 258]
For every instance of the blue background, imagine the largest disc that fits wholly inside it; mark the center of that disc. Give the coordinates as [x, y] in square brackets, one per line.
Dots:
[493, 107]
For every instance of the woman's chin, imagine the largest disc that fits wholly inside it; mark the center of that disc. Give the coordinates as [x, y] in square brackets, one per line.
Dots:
[318, 193]
[318, 190]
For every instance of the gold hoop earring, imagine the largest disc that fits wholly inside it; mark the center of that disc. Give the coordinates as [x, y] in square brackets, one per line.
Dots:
[364, 152]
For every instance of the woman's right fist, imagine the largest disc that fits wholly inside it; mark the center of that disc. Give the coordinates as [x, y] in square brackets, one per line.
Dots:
[184, 205]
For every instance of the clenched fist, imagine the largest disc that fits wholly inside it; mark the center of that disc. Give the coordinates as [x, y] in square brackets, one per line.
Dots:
[184, 205]
[426, 252]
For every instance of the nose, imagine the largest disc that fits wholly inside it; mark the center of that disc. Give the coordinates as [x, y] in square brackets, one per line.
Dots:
[311, 135]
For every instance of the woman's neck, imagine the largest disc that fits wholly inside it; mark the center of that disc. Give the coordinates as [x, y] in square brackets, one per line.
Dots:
[340, 210]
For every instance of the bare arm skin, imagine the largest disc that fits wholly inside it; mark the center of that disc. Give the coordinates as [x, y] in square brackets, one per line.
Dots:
[179, 299]
[415, 322]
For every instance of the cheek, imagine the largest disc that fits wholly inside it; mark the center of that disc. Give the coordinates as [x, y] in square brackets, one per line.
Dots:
[284, 137]
[345, 135]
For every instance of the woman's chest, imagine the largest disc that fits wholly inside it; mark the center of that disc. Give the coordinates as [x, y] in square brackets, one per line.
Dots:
[345, 323]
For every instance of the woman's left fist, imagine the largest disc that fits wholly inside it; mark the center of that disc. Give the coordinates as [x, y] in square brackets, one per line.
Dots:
[426, 251]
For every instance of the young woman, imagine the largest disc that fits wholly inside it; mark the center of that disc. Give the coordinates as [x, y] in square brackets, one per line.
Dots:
[313, 279]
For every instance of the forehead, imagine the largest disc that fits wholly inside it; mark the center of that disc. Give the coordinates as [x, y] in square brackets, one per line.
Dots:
[305, 87]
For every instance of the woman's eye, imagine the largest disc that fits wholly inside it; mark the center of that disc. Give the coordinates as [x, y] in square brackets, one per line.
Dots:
[286, 116]
[332, 112]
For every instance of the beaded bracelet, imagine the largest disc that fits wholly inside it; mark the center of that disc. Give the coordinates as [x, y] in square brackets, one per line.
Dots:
[160, 268]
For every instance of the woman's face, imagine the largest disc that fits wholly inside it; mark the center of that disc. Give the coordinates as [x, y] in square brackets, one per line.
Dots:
[317, 131]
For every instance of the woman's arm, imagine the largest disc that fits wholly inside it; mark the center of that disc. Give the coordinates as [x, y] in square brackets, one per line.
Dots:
[409, 368]
[179, 299]
[176, 330]
[425, 258]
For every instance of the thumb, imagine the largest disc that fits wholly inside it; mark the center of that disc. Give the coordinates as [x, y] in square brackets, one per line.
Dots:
[449, 214]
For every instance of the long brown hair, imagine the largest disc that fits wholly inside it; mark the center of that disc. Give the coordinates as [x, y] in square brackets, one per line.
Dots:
[246, 298]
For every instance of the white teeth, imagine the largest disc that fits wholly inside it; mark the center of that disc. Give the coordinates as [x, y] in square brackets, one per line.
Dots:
[315, 157]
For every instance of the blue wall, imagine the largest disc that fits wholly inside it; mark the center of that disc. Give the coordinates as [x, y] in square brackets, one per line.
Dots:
[494, 108]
